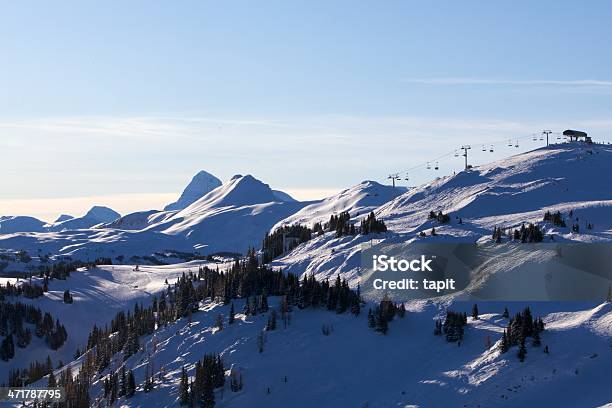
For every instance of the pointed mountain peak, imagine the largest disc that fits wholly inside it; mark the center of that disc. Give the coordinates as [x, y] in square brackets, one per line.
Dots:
[200, 185]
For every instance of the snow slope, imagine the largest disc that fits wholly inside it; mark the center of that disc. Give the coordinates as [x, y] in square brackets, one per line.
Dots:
[201, 184]
[409, 367]
[98, 294]
[11, 224]
[358, 200]
[506, 193]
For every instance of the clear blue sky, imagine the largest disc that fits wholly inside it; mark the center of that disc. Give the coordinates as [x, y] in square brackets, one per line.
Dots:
[109, 98]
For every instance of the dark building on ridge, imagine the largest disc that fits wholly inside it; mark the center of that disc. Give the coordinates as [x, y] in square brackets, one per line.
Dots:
[577, 135]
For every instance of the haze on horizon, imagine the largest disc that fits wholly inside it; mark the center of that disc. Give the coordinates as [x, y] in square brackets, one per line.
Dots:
[121, 104]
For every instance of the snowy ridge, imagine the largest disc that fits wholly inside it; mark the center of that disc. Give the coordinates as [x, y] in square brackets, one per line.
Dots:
[358, 200]
[95, 216]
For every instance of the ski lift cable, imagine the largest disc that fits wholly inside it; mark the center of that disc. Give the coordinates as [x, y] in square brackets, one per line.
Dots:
[452, 152]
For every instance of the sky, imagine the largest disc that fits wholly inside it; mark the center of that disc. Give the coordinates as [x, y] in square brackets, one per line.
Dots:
[121, 103]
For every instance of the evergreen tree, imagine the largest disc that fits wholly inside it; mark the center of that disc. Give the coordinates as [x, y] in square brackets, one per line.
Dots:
[505, 344]
[536, 339]
[232, 314]
[371, 320]
[123, 387]
[131, 384]
[52, 382]
[67, 297]
[184, 388]
[475, 312]
[522, 350]
[219, 321]
[272, 321]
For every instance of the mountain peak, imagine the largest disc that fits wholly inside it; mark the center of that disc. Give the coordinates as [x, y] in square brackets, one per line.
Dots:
[200, 185]
[63, 217]
[102, 214]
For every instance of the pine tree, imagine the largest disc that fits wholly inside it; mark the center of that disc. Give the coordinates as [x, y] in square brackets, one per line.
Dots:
[51, 383]
[506, 313]
[475, 312]
[522, 350]
[131, 384]
[184, 388]
[232, 314]
[219, 321]
[260, 342]
[67, 297]
[123, 387]
[371, 320]
[208, 396]
[505, 344]
[272, 321]
[536, 339]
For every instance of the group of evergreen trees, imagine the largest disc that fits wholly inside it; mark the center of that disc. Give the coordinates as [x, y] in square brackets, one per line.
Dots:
[452, 327]
[273, 243]
[27, 289]
[555, 218]
[371, 225]
[33, 373]
[199, 391]
[119, 384]
[383, 313]
[440, 217]
[520, 327]
[341, 224]
[14, 316]
[526, 234]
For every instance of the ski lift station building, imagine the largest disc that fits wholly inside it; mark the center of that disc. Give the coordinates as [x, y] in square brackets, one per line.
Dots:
[577, 135]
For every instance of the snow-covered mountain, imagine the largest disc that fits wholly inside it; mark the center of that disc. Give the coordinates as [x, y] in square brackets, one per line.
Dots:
[63, 217]
[358, 200]
[11, 224]
[201, 184]
[518, 189]
[505, 194]
[231, 218]
[96, 215]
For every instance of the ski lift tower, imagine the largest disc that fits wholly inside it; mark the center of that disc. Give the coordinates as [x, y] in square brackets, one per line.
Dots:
[394, 177]
[465, 149]
[547, 133]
